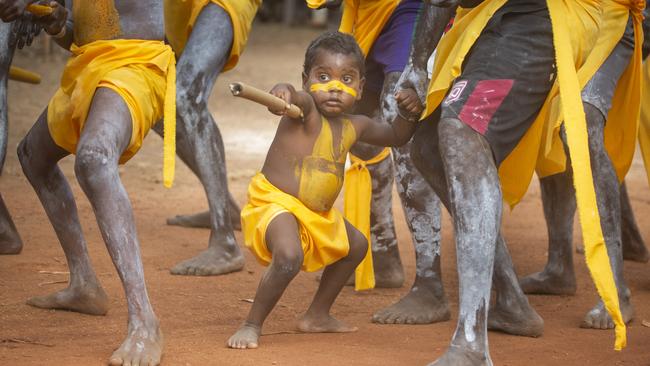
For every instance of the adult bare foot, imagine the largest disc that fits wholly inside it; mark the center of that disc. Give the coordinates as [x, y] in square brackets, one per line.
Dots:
[549, 283]
[142, 346]
[201, 220]
[457, 356]
[87, 299]
[210, 262]
[323, 324]
[515, 319]
[598, 317]
[420, 306]
[246, 337]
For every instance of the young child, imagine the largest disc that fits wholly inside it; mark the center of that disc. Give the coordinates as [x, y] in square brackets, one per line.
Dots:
[289, 221]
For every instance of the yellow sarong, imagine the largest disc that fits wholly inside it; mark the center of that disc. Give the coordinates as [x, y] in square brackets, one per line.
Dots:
[180, 16]
[575, 30]
[644, 125]
[142, 72]
[365, 19]
[323, 235]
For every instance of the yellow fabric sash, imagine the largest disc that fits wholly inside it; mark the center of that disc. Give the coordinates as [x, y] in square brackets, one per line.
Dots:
[622, 120]
[365, 19]
[356, 209]
[332, 85]
[575, 28]
[644, 125]
[180, 16]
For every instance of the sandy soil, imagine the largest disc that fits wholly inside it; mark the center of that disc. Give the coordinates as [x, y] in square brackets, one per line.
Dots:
[199, 314]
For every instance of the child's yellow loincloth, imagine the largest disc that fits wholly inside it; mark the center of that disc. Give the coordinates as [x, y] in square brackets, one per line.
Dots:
[137, 70]
[322, 234]
[180, 16]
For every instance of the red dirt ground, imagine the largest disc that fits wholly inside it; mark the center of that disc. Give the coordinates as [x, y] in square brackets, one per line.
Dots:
[199, 314]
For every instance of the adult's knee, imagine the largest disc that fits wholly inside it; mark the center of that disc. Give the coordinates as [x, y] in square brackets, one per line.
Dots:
[288, 261]
[94, 163]
[28, 163]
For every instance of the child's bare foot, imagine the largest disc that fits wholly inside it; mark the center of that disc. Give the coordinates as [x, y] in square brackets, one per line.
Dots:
[247, 336]
[323, 324]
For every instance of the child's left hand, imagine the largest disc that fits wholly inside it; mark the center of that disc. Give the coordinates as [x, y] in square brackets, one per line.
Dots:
[409, 102]
[53, 23]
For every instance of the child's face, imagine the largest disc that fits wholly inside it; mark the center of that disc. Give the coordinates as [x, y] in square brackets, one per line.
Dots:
[334, 82]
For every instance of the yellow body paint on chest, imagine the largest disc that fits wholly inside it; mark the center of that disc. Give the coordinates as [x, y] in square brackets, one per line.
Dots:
[95, 20]
[333, 85]
[321, 173]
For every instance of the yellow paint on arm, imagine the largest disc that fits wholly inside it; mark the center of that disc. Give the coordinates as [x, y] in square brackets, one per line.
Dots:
[95, 20]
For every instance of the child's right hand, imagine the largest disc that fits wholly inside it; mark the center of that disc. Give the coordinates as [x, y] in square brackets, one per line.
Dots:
[284, 92]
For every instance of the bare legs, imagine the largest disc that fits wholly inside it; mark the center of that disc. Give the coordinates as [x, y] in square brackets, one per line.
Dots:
[10, 242]
[283, 242]
[199, 142]
[106, 135]
[558, 196]
[634, 248]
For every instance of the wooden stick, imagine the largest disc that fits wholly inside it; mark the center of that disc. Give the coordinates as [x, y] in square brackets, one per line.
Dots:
[264, 98]
[26, 76]
[39, 10]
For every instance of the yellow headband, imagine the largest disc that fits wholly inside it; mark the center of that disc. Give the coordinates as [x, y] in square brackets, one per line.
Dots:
[333, 85]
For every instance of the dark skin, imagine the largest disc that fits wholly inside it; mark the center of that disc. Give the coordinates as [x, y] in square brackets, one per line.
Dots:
[106, 134]
[294, 141]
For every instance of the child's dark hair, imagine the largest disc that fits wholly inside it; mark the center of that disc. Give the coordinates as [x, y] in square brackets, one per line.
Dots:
[334, 42]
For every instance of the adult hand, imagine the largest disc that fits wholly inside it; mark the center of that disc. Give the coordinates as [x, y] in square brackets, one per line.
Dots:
[10, 10]
[414, 78]
[24, 30]
[54, 22]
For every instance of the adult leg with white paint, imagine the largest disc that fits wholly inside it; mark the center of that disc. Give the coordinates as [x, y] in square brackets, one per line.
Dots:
[426, 301]
[634, 248]
[199, 141]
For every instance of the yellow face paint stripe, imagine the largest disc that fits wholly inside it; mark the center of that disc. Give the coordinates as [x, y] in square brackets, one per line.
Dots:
[333, 85]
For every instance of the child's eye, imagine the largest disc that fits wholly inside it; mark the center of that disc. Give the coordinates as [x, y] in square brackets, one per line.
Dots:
[323, 77]
[347, 79]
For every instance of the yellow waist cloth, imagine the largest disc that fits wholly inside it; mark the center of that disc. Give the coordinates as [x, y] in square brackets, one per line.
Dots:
[622, 120]
[575, 30]
[142, 72]
[365, 19]
[644, 125]
[323, 235]
[356, 208]
[180, 16]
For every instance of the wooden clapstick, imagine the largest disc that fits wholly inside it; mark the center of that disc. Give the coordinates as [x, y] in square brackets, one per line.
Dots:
[26, 76]
[264, 98]
[39, 10]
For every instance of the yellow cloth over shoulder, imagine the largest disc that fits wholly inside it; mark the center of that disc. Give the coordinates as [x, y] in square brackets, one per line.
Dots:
[356, 208]
[322, 234]
[644, 125]
[180, 16]
[142, 72]
[575, 30]
[365, 19]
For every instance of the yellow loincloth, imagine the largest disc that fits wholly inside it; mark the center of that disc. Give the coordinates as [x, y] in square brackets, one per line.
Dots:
[622, 120]
[365, 19]
[323, 235]
[180, 16]
[575, 30]
[356, 208]
[141, 72]
[644, 125]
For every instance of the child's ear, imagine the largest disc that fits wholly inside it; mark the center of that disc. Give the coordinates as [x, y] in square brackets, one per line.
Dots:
[362, 82]
[304, 80]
